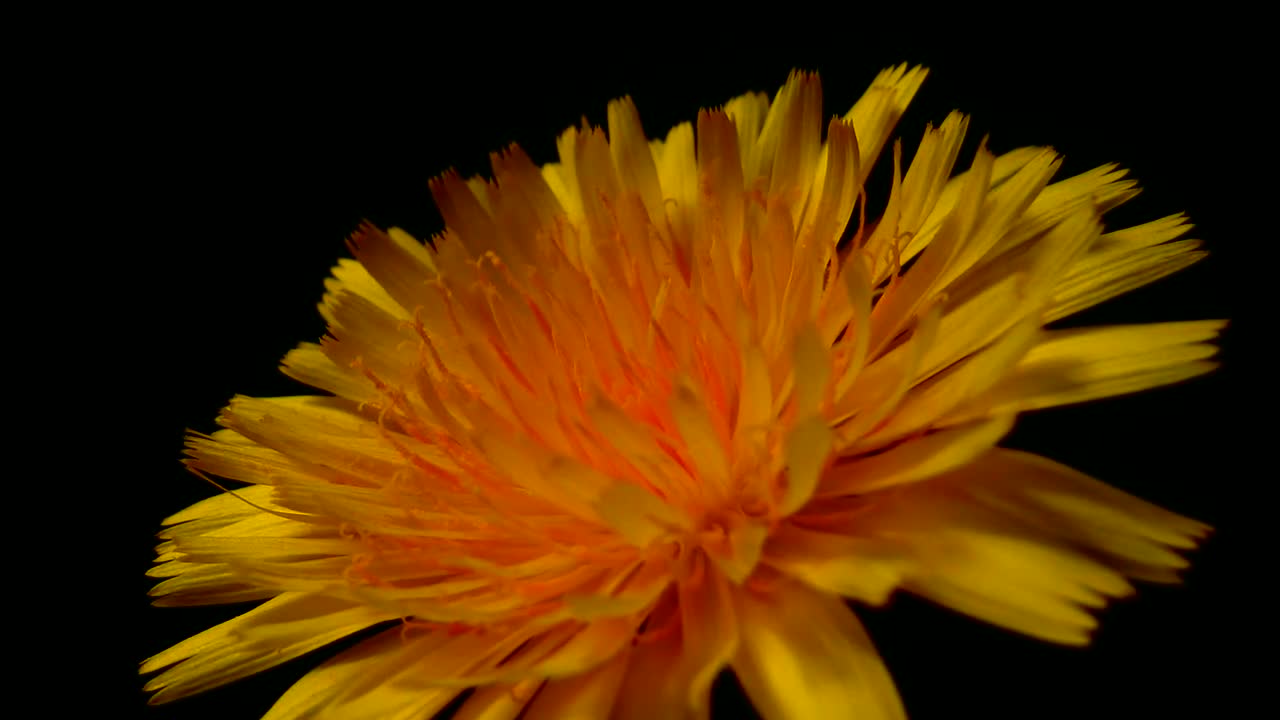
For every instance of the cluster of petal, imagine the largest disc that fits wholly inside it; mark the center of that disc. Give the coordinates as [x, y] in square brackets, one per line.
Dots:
[658, 409]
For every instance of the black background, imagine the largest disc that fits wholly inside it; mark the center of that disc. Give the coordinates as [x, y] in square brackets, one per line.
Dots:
[262, 158]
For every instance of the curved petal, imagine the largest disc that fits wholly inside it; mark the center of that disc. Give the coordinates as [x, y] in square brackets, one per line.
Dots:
[564, 651]
[803, 655]
[409, 676]
[865, 569]
[588, 696]
[1074, 366]
[650, 688]
[316, 691]
[670, 672]
[916, 459]
[279, 630]
[498, 702]
[1130, 534]
[1025, 543]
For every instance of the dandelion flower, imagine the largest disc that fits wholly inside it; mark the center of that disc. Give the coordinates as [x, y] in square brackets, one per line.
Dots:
[659, 409]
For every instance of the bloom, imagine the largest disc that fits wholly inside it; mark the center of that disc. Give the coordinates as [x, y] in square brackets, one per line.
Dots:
[641, 415]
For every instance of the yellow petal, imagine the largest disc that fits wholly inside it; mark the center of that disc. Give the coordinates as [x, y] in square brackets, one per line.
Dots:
[702, 440]
[1100, 276]
[835, 187]
[989, 300]
[352, 277]
[1024, 543]
[812, 370]
[914, 460]
[1076, 508]
[740, 550]
[805, 656]
[1071, 366]
[974, 322]
[653, 686]
[563, 481]
[526, 206]
[1017, 584]
[669, 673]
[467, 219]
[678, 175]
[709, 632]
[498, 702]
[632, 157]
[918, 193]
[879, 109]
[363, 331]
[281, 629]
[414, 672]
[807, 450]
[640, 590]
[755, 399]
[748, 113]
[1004, 207]
[323, 575]
[562, 651]
[636, 514]
[771, 259]
[309, 696]
[901, 301]
[720, 172]
[400, 264]
[878, 391]
[857, 286]
[968, 379]
[1066, 241]
[326, 430]
[212, 548]
[1005, 167]
[588, 696]
[637, 443]
[789, 142]
[597, 180]
[1100, 189]
[231, 455]
[225, 508]
[397, 682]
[567, 173]
[865, 569]
[309, 364]
[193, 584]
[1148, 234]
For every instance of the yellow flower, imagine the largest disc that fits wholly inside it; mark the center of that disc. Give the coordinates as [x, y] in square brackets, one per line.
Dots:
[658, 409]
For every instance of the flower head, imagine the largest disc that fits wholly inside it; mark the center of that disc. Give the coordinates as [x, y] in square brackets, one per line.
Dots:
[658, 409]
